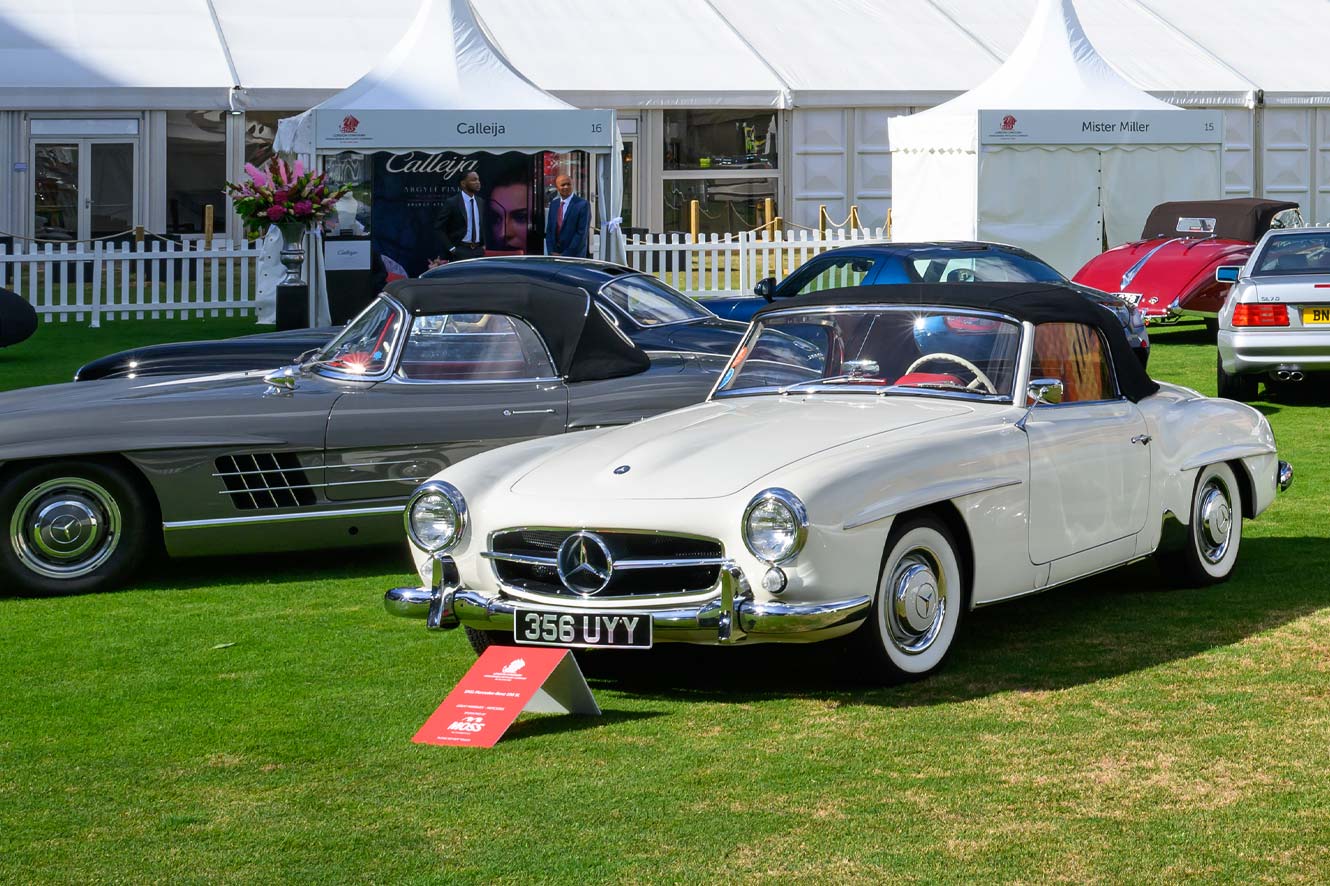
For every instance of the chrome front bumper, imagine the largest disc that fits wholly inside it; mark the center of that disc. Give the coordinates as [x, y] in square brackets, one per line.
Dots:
[729, 616]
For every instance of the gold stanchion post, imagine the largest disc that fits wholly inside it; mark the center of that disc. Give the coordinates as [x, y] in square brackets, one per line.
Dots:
[138, 235]
[822, 220]
[694, 218]
[207, 226]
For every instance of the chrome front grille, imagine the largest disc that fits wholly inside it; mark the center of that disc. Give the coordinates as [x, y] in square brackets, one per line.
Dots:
[264, 481]
[644, 563]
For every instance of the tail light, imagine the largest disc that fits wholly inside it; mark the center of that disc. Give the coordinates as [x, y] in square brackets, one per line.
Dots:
[1260, 315]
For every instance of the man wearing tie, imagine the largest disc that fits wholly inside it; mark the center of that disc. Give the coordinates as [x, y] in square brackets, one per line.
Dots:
[567, 222]
[461, 223]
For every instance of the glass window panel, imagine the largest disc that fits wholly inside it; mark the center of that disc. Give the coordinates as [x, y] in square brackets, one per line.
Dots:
[836, 273]
[720, 139]
[726, 204]
[1295, 254]
[351, 216]
[650, 302]
[195, 170]
[55, 184]
[260, 131]
[473, 347]
[112, 184]
[1075, 354]
[365, 346]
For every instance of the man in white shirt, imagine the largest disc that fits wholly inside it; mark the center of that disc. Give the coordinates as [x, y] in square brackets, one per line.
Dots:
[461, 222]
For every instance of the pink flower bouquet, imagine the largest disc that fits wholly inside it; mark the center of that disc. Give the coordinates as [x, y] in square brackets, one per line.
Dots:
[281, 195]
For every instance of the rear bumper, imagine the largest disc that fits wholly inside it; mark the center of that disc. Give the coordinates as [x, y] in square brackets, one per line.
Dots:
[729, 615]
[1290, 348]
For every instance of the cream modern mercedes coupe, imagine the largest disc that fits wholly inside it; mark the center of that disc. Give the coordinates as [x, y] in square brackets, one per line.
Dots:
[935, 449]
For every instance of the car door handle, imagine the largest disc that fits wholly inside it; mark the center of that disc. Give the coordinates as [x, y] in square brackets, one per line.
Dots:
[1143, 439]
[509, 412]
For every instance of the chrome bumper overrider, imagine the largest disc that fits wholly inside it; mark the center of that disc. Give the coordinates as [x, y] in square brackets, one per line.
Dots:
[1284, 476]
[729, 616]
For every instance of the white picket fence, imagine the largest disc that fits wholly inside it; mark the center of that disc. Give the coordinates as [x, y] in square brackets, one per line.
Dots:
[156, 278]
[731, 264]
[153, 279]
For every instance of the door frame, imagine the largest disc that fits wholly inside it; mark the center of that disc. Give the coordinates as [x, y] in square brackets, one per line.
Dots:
[83, 144]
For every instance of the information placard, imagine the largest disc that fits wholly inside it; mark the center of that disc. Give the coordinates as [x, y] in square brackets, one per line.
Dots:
[504, 682]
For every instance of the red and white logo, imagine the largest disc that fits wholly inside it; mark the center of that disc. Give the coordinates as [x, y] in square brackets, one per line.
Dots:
[349, 124]
[1008, 123]
[514, 666]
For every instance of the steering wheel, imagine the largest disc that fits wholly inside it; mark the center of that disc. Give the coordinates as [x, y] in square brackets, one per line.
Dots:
[979, 377]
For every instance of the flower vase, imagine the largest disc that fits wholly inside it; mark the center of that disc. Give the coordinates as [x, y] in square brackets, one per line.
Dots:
[293, 251]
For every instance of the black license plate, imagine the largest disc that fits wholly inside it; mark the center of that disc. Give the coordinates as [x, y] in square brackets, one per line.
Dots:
[613, 630]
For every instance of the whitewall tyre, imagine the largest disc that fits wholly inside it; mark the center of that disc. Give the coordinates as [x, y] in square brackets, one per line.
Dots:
[1214, 530]
[917, 605]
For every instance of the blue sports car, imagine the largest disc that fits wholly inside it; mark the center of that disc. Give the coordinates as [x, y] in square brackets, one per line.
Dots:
[945, 262]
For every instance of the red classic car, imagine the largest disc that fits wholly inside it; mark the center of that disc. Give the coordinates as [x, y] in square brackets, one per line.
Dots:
[1170, 272]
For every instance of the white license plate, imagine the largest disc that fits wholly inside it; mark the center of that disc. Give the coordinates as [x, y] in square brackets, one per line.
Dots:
[611, 630]
[1131, 298]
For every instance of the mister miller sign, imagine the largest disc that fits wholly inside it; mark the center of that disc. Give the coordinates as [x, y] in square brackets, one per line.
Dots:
[1088, 127]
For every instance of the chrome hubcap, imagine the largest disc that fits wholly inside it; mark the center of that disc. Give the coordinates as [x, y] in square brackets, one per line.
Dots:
[918, 602]
[1214, 511]
[65, 528]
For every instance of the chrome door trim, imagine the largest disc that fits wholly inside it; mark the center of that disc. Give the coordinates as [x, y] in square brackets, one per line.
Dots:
[281, 518]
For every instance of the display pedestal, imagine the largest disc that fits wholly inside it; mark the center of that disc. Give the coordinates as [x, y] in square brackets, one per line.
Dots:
[292, 306]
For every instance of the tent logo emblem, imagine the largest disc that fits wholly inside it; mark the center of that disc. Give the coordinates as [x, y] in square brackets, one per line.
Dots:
[349, 124]
[1008, 123]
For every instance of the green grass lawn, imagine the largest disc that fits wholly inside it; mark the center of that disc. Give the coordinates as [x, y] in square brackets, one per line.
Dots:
[249, 719]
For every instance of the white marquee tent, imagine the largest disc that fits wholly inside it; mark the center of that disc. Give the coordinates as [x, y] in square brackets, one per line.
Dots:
[446, 87]
[1055, 152]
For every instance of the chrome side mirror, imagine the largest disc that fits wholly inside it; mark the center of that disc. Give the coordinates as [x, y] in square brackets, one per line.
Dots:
[282, 381]
[1045, 391]
[766, 287]
[1227, 273]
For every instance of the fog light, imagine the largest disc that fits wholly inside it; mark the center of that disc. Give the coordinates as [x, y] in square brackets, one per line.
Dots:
[774, 580]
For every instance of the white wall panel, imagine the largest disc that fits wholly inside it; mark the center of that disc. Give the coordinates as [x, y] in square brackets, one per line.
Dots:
[1320, 213]
[819, 170]
[1286, 163]
[1239, 158]
[871, 179]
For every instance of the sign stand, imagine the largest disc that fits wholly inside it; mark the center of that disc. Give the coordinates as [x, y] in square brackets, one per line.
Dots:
[504, 682]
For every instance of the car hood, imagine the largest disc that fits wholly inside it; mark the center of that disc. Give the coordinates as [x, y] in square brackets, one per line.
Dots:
[156, 413]
[717, 448]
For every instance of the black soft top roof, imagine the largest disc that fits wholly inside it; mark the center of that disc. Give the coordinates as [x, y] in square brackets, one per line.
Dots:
[1031, 302]
[585, 346]
[1242, 218]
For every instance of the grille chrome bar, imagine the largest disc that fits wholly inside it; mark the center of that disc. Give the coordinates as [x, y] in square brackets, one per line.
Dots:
[552, 562]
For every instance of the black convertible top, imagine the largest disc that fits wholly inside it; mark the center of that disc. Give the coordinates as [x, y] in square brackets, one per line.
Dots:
[585, 346]
[1242, 218]
[1032, 302]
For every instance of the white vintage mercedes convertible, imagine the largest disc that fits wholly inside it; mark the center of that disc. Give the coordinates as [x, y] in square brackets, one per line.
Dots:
[937, 448]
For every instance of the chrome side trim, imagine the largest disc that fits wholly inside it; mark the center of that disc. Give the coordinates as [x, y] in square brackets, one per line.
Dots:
[359, 464]
[1225, 453]
[326, 485]
[1061, 582]
[281, 518]
[929, 495]
[1136, 268]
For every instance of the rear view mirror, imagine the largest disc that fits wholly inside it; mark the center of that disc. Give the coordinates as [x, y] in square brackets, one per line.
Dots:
[766, 288]
[1227, 273]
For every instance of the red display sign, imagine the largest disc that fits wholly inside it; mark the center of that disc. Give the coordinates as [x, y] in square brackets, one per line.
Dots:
[504, 682]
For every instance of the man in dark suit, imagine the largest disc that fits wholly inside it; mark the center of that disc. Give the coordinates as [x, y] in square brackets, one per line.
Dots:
[461, 222]
[567, 222]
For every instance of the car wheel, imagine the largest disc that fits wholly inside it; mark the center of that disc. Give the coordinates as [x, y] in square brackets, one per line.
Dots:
[482, 640]
[1214, 532]
[1242, 388]
[73, 527]
[917, 606]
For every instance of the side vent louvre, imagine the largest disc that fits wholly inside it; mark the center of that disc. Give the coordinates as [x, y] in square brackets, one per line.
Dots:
[264, 480]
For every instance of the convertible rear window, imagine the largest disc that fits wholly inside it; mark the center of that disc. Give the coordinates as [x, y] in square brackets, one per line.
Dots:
[893, 350]
[473, 347]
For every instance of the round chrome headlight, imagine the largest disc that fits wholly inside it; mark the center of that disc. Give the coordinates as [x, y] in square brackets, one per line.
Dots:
[435, 517]
[775, 525]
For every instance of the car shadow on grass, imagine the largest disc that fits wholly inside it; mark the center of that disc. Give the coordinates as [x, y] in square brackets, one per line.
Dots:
[1113, 624]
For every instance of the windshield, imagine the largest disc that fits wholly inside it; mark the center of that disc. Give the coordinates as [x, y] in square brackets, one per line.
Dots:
[892, 350]
[650, 302]
[365, 346]
[1295, 254]
[954, 266]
